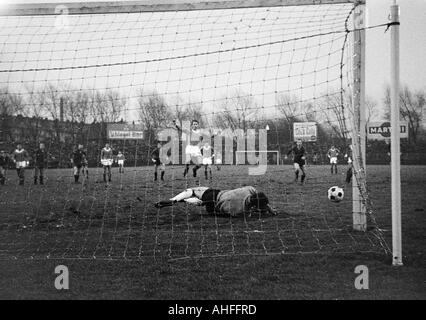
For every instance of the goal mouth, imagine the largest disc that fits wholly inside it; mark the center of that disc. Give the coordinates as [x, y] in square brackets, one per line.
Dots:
[69, 73]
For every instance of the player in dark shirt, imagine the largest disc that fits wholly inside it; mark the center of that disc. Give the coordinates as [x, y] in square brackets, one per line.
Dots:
[4, 161]
[155, 156]
[299, 157]
[40, 163]
[77, 159]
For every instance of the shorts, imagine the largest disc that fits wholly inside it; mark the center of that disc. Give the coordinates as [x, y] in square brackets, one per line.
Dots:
[298, 165]
[218, 161]
[106, 162]
[209, 199]
[333, 160]
[157, 162]
[207, 161]
[120, 162]
[194, 154]
[21, 164]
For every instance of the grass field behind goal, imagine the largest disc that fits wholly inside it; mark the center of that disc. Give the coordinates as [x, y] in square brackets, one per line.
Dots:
[118, 247]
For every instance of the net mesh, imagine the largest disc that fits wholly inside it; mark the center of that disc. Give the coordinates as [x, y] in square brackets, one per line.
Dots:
[63, 78]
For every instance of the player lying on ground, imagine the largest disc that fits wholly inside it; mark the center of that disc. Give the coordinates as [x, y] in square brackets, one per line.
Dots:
[234, 202]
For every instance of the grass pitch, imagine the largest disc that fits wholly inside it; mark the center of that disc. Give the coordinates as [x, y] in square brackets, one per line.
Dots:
[118, 247]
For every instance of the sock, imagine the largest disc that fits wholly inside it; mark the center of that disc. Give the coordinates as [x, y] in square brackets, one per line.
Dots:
[155, 176]
[41, 180]
[303, 178]
[297, 175]
[164, 203]
[162, 175]
[349, 175]
[76, 178]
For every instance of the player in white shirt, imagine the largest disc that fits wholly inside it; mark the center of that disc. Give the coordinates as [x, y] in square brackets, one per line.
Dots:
[21, 159]
[208, 156]
[107, 159]
[120, 161]
[332, 155]
[192, 150]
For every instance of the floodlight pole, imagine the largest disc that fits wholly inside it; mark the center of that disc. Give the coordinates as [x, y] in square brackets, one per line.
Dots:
[395, 138]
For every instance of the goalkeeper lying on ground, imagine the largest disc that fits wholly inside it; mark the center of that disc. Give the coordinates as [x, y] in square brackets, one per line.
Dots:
[230, 202]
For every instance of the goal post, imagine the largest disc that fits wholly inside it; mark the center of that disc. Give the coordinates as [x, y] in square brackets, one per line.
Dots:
[358, 134]
[245, 156]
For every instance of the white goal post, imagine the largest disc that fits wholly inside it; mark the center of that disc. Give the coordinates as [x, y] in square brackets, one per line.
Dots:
[245, 153]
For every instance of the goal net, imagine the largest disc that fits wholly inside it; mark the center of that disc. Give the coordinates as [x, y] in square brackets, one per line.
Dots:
[67, 72]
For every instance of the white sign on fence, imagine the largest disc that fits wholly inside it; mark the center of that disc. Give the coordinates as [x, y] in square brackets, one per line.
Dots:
[382, 130]
[123, 131]
[305, 131]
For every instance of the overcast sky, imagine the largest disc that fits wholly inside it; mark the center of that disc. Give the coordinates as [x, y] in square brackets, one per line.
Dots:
[412, 47]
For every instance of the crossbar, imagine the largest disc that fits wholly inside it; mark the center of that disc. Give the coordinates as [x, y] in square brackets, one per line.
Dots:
[79, 8]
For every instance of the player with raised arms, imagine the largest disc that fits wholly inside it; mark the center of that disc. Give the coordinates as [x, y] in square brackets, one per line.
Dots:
[107, 159]
[332, 154]
[299, 157]
[192, 150]
[236, 202]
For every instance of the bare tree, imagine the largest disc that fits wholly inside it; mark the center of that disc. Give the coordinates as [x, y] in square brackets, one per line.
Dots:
[239, 111]
[334, 109]
[412, 109]
[11, 104]
[108, 106]
[154, 113]
[35, 108]
[371, 108]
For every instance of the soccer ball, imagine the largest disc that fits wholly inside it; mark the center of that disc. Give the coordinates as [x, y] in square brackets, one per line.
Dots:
[335, 194]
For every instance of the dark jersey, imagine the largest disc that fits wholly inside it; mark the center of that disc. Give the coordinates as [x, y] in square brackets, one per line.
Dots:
[78, 157]
[155, 154]
[40, 158]
[209, 199]
[298, 153]
[4, 161]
